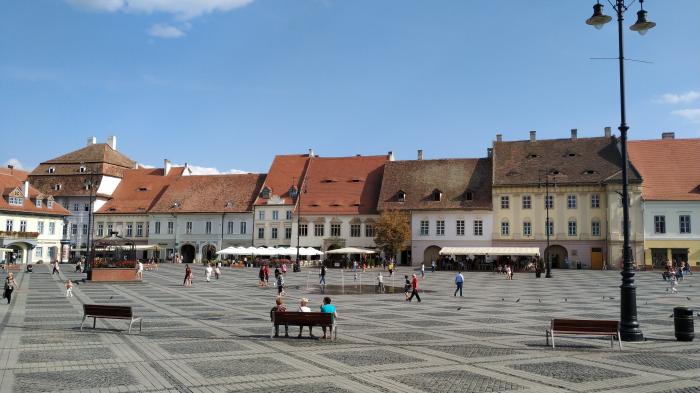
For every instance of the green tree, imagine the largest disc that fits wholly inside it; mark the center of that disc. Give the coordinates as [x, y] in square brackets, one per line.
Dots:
[392, 232]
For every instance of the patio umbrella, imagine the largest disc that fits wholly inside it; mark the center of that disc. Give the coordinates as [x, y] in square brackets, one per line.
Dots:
[351, 250]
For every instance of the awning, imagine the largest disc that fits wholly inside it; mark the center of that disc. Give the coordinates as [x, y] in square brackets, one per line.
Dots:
[351, 250]
[528, 251]
[7, 250]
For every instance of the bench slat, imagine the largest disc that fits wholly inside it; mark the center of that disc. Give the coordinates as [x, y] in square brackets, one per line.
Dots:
[303, 318]
[103, 310]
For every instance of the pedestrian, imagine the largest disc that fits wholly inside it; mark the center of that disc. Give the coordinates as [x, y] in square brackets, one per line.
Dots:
[207, 272]
[55, 268]
[414, 290]
[188, 276]
[10, 285]
[69, 288]
[674, 284]
[261, 277]
[266, 272]
[354, 266]
[217, 271]
[329, 308]
[322, 274]
[139, 270]
[78, 267]
[304, 307]
[406, 287]
[422, 270]
[280, 285]
[284, 268]
[391, 269]
[508, 271]
[459, 281]
[432, 265]
[380, 283]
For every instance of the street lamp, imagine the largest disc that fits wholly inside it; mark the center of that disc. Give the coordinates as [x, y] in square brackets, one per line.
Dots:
[629, 326]
[90, 185]
[547, 173]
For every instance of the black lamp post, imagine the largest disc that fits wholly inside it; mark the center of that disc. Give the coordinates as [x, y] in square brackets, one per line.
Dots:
[629, 326]
[547, 224]
[90, 185]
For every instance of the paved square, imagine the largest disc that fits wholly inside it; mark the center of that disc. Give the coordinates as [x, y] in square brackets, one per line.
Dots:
[214, 337]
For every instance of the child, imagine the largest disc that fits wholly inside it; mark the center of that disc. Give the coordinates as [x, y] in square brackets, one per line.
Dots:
[69, 288]
[380, 283]
[407, 288]
[280, 285]
[207, 272]
[217, 271]
[674, 284]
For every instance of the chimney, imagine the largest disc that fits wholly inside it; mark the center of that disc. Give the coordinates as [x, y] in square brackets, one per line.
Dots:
[26, 189]
[420, 154]
[533, 136]
[574, 134]
[668, 135]
[489, 152]
[112, 142]
[499, 137]
[166, 167]
[91, 140]
[311, 153]
[390, 156]
[608, 132]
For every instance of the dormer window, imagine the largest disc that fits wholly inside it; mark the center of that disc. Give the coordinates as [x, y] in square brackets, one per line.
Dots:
[265, 193]
[293, 192]
[513, 173]
[88, 186]
[554, 172]
[229, 205]
[16, 201]
[143, 189]
[532, 155]
[589, 172]
[57, 187]
[401, 196]
[175, 205]
[52, 169]
[468, 196]
[38, 203]
[570, 154]
[328, 180]
[112, 209]
[49, 204]
[437, 195]
[83, 169]
[356, 180]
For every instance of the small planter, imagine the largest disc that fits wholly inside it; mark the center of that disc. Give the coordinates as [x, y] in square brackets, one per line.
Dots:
[113, 275]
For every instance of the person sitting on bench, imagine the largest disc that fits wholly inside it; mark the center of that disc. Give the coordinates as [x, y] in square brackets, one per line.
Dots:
[327, 307]
[279, 307]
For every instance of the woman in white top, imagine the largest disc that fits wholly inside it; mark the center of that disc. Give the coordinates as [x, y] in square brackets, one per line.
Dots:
[304, 307]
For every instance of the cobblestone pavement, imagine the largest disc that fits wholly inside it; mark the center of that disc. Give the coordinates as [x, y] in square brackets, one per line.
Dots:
[214, 337]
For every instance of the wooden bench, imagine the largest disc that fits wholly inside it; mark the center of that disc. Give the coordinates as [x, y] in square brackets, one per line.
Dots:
[95, 311]
[588, 327]
[11, 267]
[296, 318]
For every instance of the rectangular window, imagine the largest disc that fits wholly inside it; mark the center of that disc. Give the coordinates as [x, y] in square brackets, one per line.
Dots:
[188, 227]
[9, 224]
[304, 230]
[527, 202]
[109, 229]
[74, 229]
[207, 227]
[229, 228]
[505, 228]
[319, 230]
[595, 201]
[49, 204]
[440, 228]
[139, 229]
[424, 228]
[40, 227]
[527, 229]
[355, 230]
[39, 252]
[287, 233]
[244, 227]
[274, 232]
[129, 230]
[156, 228]
[38, 203]
[595, 228]
[571, 201]
[660, 224]
[171, 227]
[261, 215]
[23, 226]
[261, 233]
[76, 207]
[335, 230]
[549, 227]
[289, 214]
[505, 202]
[16, 201]
[52, 228]
[572, 228]
[369, 230]
[549, 201]
[275, 215]
[684, 221]
[478, 228]
[460, 227]
[86, 207]
[100, 230]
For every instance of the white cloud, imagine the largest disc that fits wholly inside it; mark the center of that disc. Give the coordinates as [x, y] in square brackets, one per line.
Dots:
[683, 98]
[162, 30]
[15, 163]
[690, 114]
[145, 166]
[182, 9]
[201, 170]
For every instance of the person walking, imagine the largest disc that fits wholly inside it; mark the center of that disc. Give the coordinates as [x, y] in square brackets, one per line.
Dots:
[280, 285]
[391, 269]
[414, 289]
[266, 272]
[217, 271]
[459, 281]
[139, 270]
[407, 287]
[188, 276]
[69, 288]
[261, 277]
[207, 272]
[322, 274]
[10, 285]
[55, 268]
[380, 283]
[432, 266]
[422, 270]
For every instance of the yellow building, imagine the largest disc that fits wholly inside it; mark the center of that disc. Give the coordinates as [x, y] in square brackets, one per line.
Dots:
[575, 181]
[670, 169]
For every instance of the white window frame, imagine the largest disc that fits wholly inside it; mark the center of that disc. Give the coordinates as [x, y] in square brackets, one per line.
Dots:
[478, 227]
[527, 228]
[527, 202]
[595, 201]
[571, 201]
[505, 202]
[459, 227]
[572, 228]
[425, 228]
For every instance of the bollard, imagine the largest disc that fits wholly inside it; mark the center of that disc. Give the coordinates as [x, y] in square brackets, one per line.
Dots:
[683, 323]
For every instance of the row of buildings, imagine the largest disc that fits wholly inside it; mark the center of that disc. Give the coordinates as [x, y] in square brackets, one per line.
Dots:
[565, 192]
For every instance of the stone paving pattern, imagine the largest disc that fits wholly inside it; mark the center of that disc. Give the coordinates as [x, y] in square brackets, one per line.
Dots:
[214, 337]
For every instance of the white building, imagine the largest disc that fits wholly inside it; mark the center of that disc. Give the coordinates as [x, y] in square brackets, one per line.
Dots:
[32, 221]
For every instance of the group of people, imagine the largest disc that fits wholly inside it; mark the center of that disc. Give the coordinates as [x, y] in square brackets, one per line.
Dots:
[507, 269]
[326, 307]
[264, 277]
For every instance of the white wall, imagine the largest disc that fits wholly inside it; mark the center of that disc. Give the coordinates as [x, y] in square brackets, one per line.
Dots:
[108, 184]
[268, 223]
[311, 240]
[672, 210]
[43, 241]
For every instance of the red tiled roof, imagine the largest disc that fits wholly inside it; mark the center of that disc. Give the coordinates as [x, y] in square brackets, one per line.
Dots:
[285, 171]
[670, 168]
[210, 194]
[17, 173]
[9, 182]
[342, 185]
[455, 178]
[98, 152]
[139, 190]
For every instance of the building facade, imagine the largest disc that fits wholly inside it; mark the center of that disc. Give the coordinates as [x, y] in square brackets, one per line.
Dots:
[32, 221]
[670, 169]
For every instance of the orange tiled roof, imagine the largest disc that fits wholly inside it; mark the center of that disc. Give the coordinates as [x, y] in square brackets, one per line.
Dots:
[342, 185]
[210, 194]
[139, 190]
[9, 182]
[670, 168]
[284, 170]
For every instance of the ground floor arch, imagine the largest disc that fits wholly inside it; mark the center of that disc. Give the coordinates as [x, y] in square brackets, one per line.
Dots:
[188, 253]
[209, 252]
[431, 253]
[557, 254]
[20, 252]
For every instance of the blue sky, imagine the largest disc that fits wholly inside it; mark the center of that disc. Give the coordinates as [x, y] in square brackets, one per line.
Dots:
[231, 83]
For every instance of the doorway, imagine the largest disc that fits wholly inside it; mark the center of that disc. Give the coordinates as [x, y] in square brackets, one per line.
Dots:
[557, 254]
[596, 258]
[187, 251]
